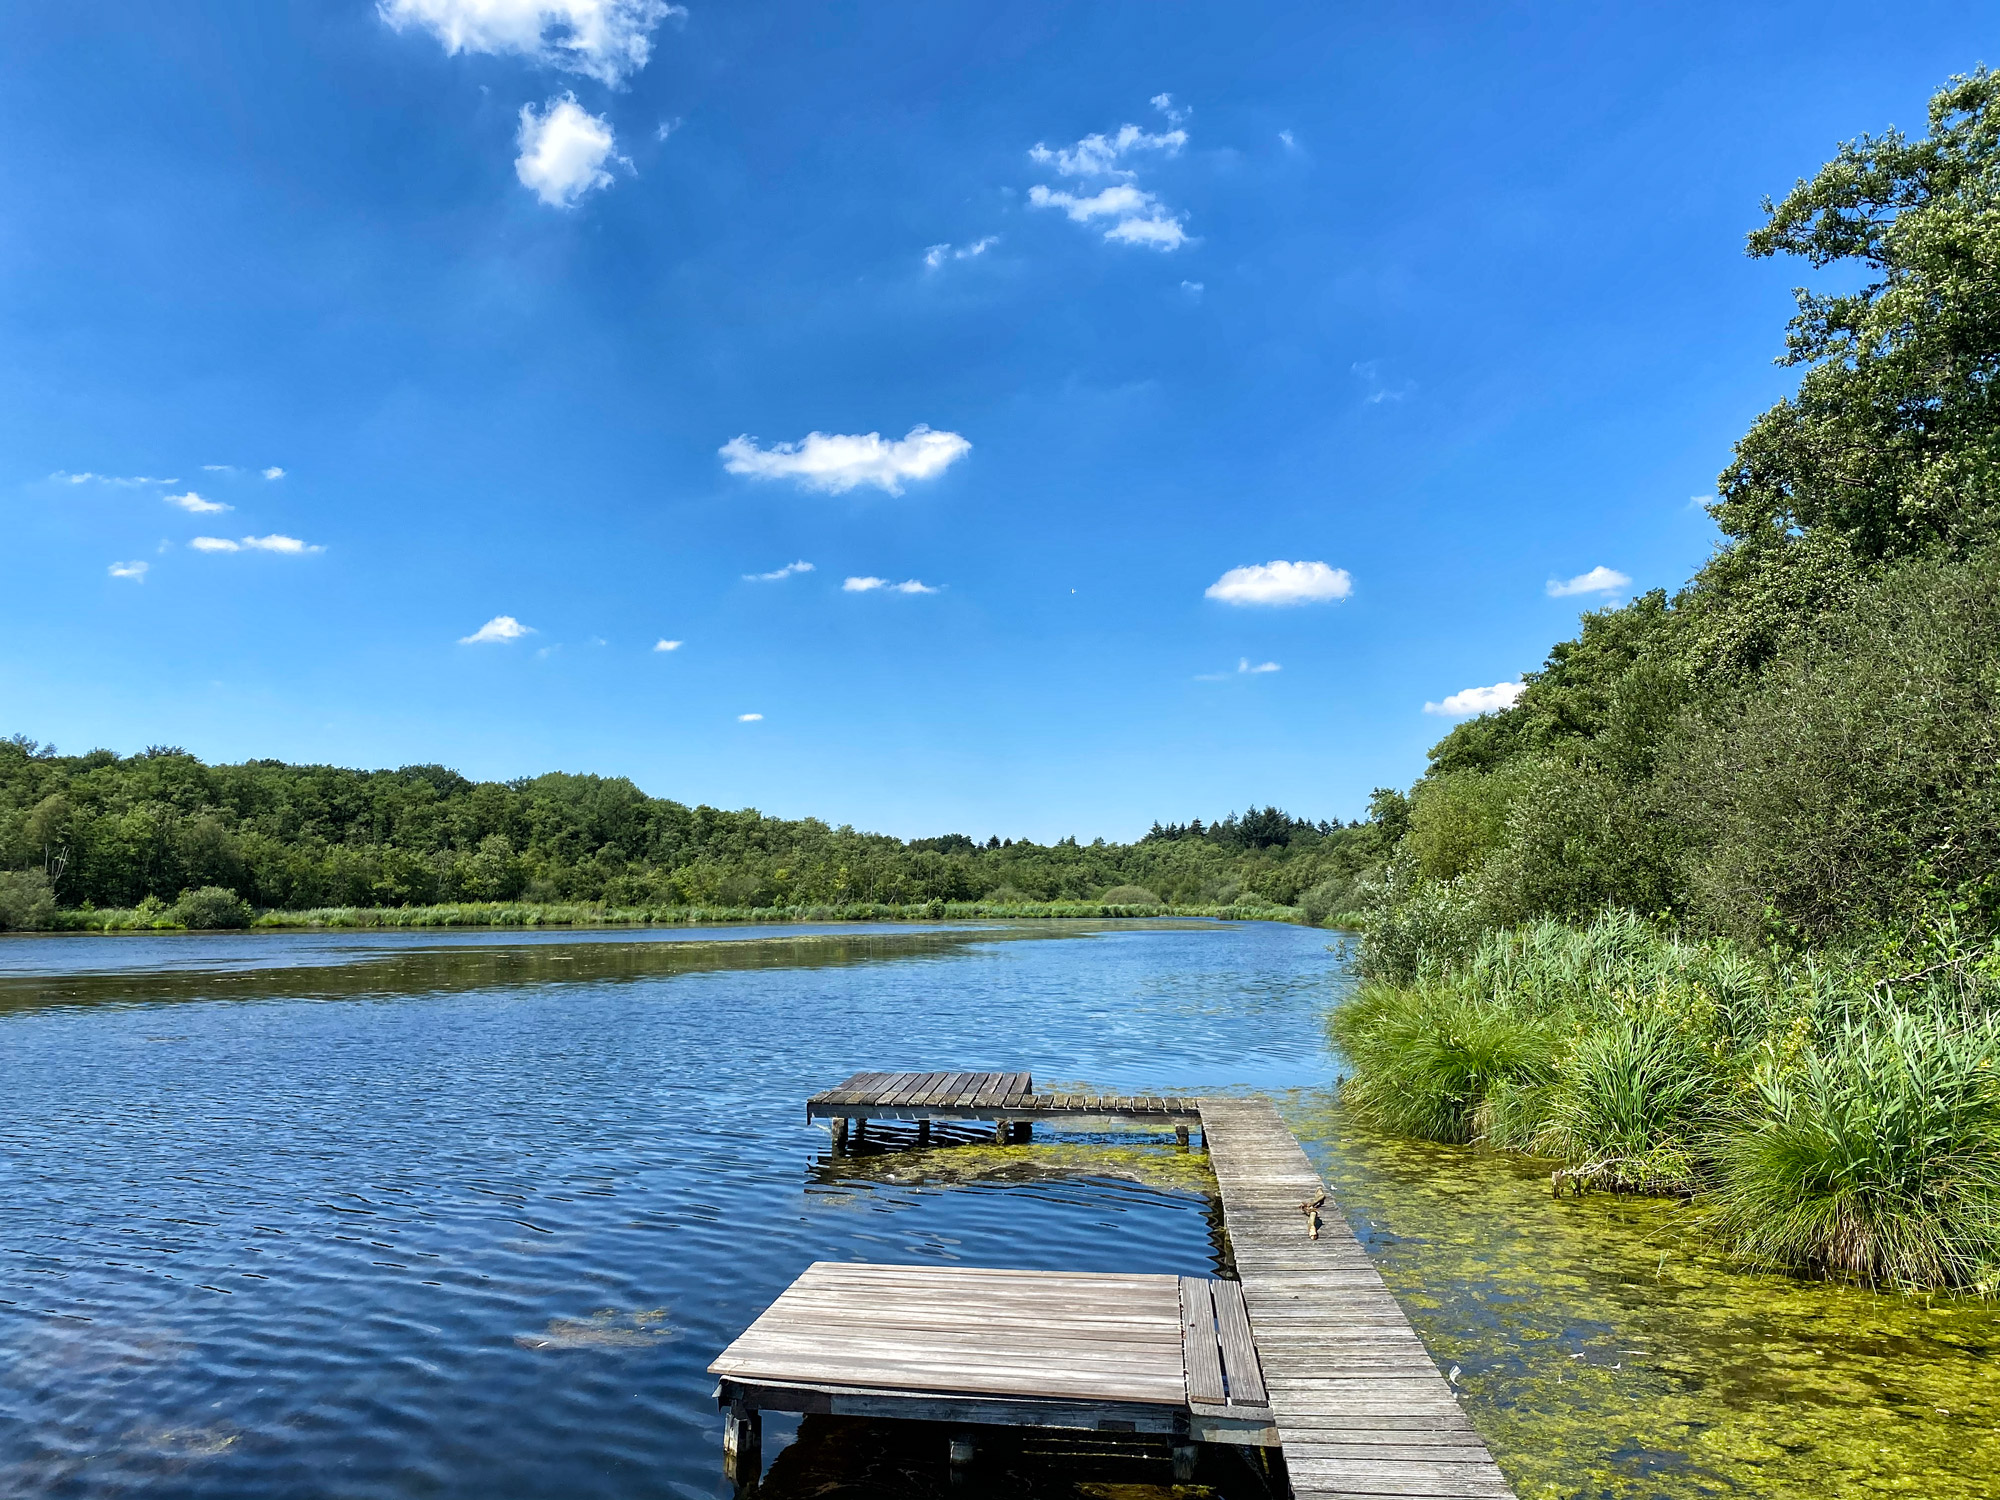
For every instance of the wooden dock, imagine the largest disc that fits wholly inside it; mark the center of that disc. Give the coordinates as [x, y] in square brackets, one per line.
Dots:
[980, 1347]
[1006, 1100]
[1308, 1352]
[1360, 1408]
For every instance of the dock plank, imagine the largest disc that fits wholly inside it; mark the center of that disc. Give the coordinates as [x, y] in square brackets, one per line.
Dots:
[1360, 1407]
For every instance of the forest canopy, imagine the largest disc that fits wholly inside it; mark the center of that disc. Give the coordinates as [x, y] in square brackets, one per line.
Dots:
[108, 831]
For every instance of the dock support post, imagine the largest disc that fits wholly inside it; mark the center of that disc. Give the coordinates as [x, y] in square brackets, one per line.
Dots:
[743, 1445]
[1024, 1130]
[840, 1135]
[923, 1132]
[962, 1449]
[1184, 1456]
[999, 1132]
[860, 1130]
[1181, 1136]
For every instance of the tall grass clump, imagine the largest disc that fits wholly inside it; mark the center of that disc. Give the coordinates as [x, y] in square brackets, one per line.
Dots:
[1829, 1117]
[1875, 1155]
[1427, 1060]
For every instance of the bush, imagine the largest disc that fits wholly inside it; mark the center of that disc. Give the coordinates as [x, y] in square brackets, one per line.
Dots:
[1457, 820]
[1130, 895]
[26, 903]
[1420, 926]
[212, 906]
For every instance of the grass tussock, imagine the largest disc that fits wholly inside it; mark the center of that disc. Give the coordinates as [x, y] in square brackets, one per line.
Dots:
[1827, 1118]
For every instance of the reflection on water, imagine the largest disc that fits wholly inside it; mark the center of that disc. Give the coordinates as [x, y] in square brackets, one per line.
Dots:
[467, 1214]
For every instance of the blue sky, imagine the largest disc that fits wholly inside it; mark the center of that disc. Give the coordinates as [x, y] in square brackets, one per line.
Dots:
[579, 315]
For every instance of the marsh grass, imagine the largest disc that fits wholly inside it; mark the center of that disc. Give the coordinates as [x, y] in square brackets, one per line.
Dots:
[156, 916]
[1874, 1156]
[1830, 1117]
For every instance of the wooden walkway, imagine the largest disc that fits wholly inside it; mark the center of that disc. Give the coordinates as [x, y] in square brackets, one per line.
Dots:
[1360, 1408]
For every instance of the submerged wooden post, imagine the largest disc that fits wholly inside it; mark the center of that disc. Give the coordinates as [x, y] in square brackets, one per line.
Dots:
[923, 1132]
[742, 1445]
[1000, 1128]
[1181, 1136]
[1184, 1456]
[840, 1135]
[1024, 1130]
[962, 1449]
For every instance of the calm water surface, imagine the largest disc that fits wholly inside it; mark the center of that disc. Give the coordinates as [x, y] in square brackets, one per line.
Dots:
[463, 1214]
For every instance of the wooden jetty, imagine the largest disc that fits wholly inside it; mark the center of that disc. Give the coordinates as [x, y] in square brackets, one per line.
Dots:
[1360, 1408]
[1308, 1353]
[1007, 1101]
[980, 1347]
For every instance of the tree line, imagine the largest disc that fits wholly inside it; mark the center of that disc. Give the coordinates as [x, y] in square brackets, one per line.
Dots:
[107, 831]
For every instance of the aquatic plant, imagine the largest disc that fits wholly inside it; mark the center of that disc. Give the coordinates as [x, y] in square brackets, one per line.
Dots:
[1875, 1155]
[1627, 1105]
[1426, 1060]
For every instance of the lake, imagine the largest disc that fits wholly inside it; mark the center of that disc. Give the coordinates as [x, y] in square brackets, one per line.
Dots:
[468, 1214]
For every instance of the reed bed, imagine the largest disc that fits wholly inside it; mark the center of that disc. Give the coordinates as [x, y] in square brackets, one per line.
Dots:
[1822, 1117]
[507, 914]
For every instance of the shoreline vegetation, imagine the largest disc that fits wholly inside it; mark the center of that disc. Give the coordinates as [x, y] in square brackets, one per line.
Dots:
[1711, 911]
[520, 914]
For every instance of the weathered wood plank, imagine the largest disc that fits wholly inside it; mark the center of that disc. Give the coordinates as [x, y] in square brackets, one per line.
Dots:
[1239, 1354]
[1199, 1351]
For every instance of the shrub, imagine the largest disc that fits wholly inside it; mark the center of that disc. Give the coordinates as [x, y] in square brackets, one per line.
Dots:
[1420, 926]
[26, 903]
[212, 906]
[1130, 895]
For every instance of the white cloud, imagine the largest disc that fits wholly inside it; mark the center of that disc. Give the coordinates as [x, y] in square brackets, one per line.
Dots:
[271, 543]
[937, 255]
[870, 585]
[1119, 198]
[748, 718]
[1282, 583]
[1286, 137]
[1599, 580]
[1476, 700]
[1244, 668]
[193, 502]
[218, 468]
[274, 472]
[1157, 233]
[1140, 218]
[668, 645]
[1164, 103]
[1105, 155]
[89, 478]
[775, 574]
[1379, 390]
[838, 462]
[499, 628]
[136, 571]
[1141, 221]
[608, 40]
[563, 151]
[1193, 289]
